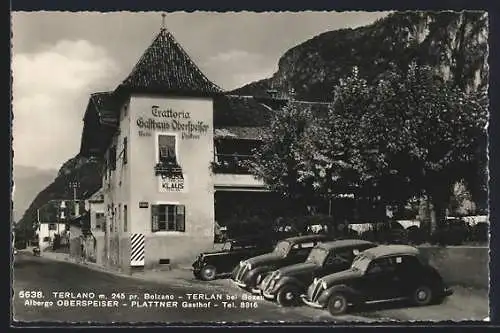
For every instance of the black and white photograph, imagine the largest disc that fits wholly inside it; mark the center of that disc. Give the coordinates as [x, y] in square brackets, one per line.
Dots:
[250, 167]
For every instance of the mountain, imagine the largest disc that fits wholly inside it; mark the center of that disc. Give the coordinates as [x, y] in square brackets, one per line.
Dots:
[455, 44]
[28, 182]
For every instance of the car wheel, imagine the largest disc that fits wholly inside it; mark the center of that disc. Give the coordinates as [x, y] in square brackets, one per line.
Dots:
[422, 295]
[337, 304]
[208, 273]
[287, 296]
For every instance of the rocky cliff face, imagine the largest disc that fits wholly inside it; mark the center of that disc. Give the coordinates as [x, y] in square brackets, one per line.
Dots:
[455, 44]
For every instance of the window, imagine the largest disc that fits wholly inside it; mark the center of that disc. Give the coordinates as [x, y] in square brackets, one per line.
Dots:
[168, 218]
[99, 220]
[119, 212]
[112, 158]
[345, 254]
[52, 226]
[166, 149]
[383, 265]
[125, 218]
[125, 150]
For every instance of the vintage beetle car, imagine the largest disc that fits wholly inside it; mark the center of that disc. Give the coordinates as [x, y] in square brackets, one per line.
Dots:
[250, 273]
[288, 283]
[386, 272]
[210, 265]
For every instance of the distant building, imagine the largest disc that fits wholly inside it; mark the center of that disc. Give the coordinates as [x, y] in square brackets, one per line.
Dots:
[46, 232]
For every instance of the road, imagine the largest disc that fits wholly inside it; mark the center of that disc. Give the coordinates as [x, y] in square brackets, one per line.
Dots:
[125, 300]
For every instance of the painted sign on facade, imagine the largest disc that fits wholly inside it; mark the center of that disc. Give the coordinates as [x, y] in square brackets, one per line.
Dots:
[170, 120]
[172, 184]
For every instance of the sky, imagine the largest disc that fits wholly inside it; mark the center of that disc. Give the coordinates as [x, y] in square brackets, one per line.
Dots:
[60, 58]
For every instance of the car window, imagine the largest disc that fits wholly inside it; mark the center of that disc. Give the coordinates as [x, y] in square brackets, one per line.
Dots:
[407, 262]
[383, 265]
[345, 254]
[331, 260]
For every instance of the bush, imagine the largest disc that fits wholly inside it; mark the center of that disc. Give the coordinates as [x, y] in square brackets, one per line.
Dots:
[480, 232]
[415, 235]
[451, 234]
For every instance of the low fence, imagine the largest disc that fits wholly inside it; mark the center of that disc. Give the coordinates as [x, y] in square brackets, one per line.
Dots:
[460, 265]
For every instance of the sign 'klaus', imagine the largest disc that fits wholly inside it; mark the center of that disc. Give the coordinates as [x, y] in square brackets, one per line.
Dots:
[171, 184]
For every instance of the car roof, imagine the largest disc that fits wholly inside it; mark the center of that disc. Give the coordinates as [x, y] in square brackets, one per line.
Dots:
[307, 238]
[343, 243]
[389, 250]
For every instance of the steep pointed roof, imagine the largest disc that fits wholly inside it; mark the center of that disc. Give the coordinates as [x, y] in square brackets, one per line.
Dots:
[166, 68]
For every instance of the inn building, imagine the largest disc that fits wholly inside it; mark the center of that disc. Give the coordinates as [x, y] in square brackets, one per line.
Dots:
[172, 143]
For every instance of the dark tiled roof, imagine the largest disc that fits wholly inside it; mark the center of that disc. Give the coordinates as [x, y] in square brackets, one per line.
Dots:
[230, 110]
[101, 119]
[166, 68]
[106, 107]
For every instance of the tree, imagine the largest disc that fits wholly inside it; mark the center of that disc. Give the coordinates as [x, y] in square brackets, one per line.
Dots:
[412, 134]
[330, 146]
[277, 160]
[428, 131]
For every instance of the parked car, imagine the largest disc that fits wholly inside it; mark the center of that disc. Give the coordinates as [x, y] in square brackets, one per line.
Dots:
[250, 273]
[381, 273]
[286, 284]
[210, 265]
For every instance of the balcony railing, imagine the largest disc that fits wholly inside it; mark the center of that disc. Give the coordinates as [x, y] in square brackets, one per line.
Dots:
[230, 163]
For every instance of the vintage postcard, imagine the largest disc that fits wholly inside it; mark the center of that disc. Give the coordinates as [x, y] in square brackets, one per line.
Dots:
[285, 167]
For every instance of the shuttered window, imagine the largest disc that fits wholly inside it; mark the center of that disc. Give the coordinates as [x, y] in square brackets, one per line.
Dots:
[168, 218]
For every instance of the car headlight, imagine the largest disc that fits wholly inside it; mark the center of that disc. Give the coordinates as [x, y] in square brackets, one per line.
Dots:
[324, 285]
[315, 280]
[259, 278]
[242, 263]
[249, 266]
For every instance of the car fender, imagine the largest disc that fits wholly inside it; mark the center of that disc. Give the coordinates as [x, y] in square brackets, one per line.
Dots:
[253, 273]
[289, 281]
[351, 293]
